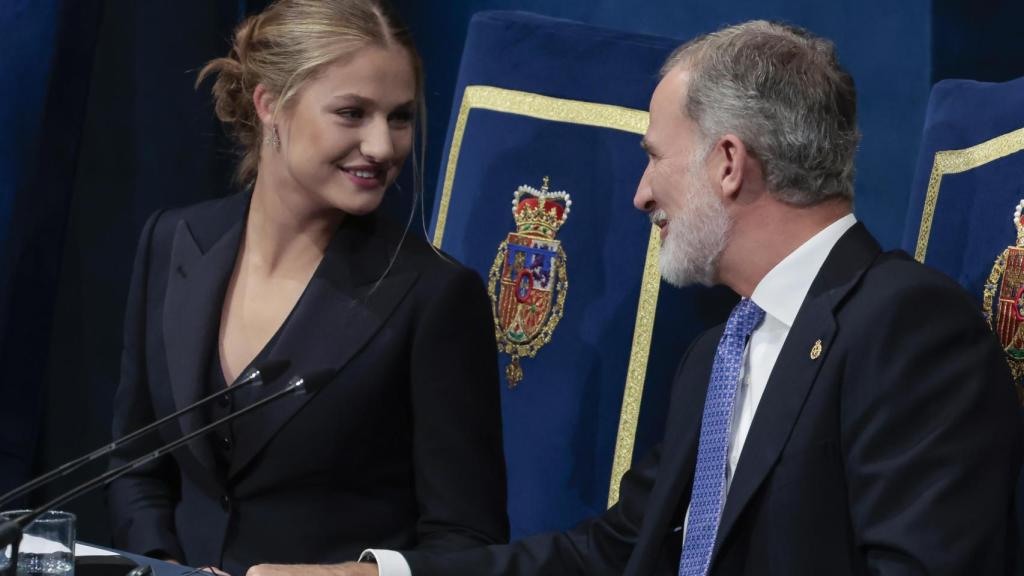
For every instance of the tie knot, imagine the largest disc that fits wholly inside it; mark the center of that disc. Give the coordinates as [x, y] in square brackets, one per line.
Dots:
[744, 318]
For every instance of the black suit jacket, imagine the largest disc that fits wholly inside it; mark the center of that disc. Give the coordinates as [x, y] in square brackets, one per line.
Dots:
[895, 451]
[401, 449]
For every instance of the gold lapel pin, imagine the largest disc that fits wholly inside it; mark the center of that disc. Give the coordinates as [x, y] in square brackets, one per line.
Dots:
[816, 350]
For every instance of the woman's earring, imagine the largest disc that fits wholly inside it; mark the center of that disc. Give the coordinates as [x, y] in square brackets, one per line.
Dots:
[275, 139]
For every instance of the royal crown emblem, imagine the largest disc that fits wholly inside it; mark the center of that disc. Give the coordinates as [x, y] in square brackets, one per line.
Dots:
[528, 282]
[1005, 287]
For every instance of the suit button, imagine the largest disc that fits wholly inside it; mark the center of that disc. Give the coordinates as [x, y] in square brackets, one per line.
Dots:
[225, 503]
[226, 443]
[224, 400]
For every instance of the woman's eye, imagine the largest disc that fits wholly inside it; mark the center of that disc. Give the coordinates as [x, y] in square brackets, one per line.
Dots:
[350, 113]
[401, 118]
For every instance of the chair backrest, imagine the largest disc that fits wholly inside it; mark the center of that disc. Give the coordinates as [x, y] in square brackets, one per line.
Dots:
[965, 215]
[965, 209]
[541, 162]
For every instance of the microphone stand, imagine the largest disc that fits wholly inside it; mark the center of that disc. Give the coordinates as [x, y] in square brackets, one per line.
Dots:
[260, 373]
[11, 531]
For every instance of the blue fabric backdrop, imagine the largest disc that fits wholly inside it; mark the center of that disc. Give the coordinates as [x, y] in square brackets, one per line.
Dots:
[27, 42]
[41, 40]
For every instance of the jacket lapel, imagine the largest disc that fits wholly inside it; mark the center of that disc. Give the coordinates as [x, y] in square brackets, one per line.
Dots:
[344, 305]
[202, 259]
[666, 506]
[795, 370]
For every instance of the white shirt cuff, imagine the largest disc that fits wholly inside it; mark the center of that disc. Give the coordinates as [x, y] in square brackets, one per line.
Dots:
[389, 562]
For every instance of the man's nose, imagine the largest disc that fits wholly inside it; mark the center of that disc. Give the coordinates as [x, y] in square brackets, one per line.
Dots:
[643, 199]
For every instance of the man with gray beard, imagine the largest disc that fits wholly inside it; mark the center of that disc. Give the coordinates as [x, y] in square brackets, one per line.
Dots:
[853, 416]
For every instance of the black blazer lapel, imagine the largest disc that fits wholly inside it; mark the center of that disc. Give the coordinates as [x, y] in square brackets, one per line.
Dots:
[344, 305]
[196, 284]
[795, 370]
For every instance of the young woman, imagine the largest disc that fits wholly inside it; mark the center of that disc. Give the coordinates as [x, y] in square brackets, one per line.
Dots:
[401, 448]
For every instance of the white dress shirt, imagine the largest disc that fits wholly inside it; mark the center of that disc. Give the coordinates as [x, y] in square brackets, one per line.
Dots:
[780, 294]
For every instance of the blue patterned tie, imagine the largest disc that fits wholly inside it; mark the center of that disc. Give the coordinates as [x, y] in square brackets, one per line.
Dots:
[713, 451]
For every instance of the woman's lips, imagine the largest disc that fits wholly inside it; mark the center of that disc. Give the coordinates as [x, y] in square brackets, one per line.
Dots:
[365, 176]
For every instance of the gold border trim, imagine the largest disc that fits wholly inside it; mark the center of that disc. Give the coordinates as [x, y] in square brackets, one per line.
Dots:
[637, 371]
[955, 162]
[534, 106]
[587, 114]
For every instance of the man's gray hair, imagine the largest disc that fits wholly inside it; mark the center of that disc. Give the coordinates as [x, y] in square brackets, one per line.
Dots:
[781, 91]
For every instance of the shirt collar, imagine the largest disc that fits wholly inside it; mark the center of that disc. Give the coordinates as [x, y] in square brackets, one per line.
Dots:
[781, 292]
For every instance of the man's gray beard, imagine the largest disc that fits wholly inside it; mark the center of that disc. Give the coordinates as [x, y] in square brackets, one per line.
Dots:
[696, 237]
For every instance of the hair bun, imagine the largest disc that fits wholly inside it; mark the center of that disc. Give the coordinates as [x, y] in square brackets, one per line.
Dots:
[232, 93]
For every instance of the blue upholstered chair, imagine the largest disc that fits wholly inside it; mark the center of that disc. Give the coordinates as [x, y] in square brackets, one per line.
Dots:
[965, 215]
[540, 165]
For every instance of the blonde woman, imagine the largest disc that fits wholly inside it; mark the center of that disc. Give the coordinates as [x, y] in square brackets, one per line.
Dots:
[402, 447]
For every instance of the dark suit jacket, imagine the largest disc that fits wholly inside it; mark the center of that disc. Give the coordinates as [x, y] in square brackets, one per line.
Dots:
[893, 452]
[401, 449]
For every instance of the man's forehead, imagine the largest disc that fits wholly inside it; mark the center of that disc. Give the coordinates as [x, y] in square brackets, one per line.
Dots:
[670, 91]
[666, 108]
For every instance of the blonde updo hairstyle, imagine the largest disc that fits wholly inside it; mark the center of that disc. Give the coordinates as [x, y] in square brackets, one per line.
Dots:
[288, 44]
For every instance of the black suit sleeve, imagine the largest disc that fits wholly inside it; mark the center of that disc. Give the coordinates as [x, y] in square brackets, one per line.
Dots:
[930, 437]
[457, 439]
[141, 502]
[599, 546]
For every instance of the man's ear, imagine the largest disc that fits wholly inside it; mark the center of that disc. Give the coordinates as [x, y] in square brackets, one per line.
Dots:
[265, 103]
[729, 163]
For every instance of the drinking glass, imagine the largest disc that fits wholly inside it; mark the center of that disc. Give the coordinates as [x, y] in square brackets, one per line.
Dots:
[47, 546]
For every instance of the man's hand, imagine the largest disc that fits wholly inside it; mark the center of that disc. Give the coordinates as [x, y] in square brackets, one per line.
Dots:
[346, 569]
[211, 570]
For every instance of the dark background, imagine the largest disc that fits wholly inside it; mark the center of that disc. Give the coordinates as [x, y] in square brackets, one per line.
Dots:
[101, 126]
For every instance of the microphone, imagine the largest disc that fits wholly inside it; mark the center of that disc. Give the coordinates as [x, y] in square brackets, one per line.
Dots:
[11, 530]
[259, 373]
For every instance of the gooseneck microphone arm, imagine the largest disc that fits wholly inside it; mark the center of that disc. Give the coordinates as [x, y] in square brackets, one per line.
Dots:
[259, 373]
[11, 530]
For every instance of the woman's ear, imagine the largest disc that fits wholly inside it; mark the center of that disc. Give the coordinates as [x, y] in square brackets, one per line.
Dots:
[265, 103]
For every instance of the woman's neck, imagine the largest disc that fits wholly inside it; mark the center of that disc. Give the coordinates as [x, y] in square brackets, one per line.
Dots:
[285, 233]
